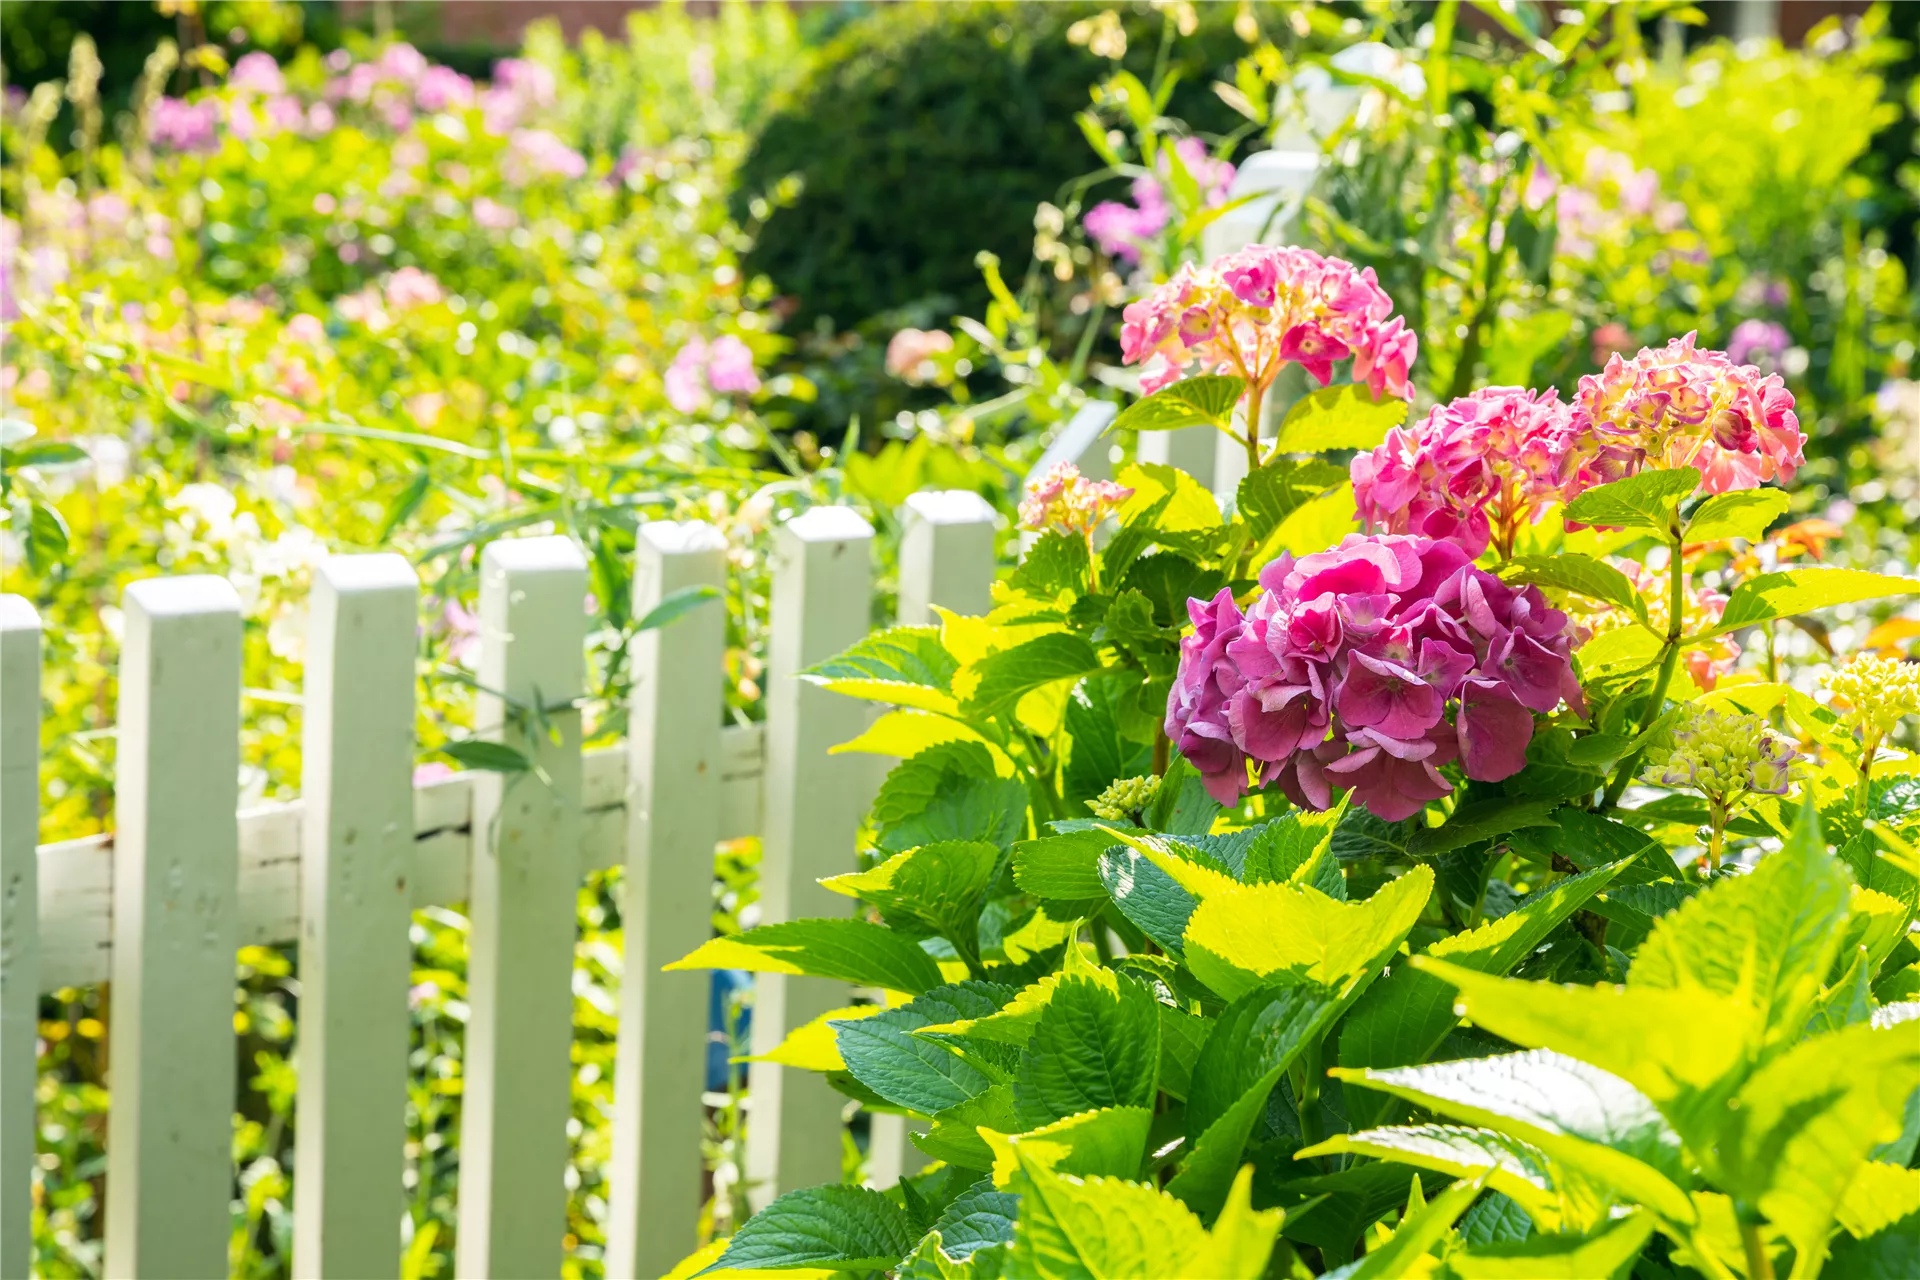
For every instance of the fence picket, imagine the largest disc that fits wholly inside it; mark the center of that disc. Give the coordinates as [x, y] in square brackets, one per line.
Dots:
[19, 926]
[175, 930]
[822, 591]
[673, 821]
[357, 837]
[946, 559]
[513, 1158]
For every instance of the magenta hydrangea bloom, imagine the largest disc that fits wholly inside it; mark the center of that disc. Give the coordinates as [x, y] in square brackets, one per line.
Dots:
[1252, 312]
[724, 365]
[1121, 229]
[1342, 673]
[1475, 471]
[1681, 407]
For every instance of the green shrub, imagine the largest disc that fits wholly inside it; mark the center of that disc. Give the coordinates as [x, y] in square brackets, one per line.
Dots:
[926, 133]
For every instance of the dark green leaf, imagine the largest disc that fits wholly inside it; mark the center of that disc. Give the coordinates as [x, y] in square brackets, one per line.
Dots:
[1097, 1045]
[495, 757]
[912, 1071]
[676, 605]
[835, 1227]
[1009, 675]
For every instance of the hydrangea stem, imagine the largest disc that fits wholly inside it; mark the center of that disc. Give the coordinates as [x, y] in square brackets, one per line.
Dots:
[1759, 1261]
[1256, 401]
[1669, 660]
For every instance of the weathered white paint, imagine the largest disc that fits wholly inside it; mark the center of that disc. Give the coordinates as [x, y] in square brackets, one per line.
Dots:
[19, 925]
[513, 1140]
[175, 931]
[822, 592]
[355, 960]
[673, 791]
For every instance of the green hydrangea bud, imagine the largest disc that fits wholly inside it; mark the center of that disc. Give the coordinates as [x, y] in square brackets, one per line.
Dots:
[1871, 694]
[1725, 756]
[1120, 801]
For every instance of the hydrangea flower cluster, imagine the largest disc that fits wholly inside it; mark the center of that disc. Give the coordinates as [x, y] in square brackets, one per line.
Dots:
[1121, 229]
[1873, 694]
[1678, 406]
[1065, 500]
[1475, 471]
[1124, 799]
[1253, 312]
[1728, 757]
[1342, 672]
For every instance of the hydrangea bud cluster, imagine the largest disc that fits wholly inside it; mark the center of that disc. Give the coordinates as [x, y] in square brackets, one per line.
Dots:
[1681, 407]
[1343, 671]
[1253, 312]
[1065, 500]
[1873, 694]
[1125, 798]
[1475, 471]
[1727, 757]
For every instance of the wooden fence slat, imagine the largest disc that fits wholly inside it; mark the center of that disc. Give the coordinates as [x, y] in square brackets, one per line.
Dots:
[19, 925]
[946, 555]
[822, 592]
[946, 559]
[517, 1094]
[175, 930]
[672, 824]
[355, 959]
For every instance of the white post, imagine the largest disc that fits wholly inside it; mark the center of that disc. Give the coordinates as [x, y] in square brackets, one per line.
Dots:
[946, 555]
[673, 823]
[946, 559]
[513, 1140]
[19, 926]
[356, 860]
[822, 587]
[176, 866]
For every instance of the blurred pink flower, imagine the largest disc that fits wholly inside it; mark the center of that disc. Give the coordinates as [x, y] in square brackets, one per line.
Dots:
[306, 328]
[443, 89]
[532, 152]
[257, 72]
[411, 287]
[730, 366]
[493, 215]
[1121, 230]
[725, 366]
[401, 61]
[174, 124]
[910, 350]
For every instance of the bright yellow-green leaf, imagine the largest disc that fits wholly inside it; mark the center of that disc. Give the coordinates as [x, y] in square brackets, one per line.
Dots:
[1110, 1142]
[810, 1046]
[1254, 934]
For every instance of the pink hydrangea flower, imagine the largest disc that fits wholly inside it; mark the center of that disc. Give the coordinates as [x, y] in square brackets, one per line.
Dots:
[1475, 471]
[1763, 339]
[1069, 502]
[443, 89]
[1681, 407]
[1252, 312]
[412, 287]
[532, 152]
[1342, 672]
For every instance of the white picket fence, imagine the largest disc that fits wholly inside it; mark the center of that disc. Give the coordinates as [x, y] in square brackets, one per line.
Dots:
[160, 907]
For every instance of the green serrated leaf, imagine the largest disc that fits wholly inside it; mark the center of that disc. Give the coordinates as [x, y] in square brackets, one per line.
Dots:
[1002, 678]
[1582, 575]
[1255, 934]
[1339, 417]
[1608, 1251]
[1065, 866]
[1079, 1229]
[1205, 401]
[832, 1227]
[948, 792]
[911, 1071]
[1094, 1046]
[1744, 513]
[1642, 501]
[846, 950]
[1278, 489]
[1109, 1143]
[1515, 1169]
[980, 1217]
[1792, 592]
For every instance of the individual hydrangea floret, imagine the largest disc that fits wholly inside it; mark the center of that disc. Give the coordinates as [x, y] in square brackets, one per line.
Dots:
[1253, 312]
[1344, 670]
[1124, 799]
[1475, 471]
[1066, 501]
[1678, 406]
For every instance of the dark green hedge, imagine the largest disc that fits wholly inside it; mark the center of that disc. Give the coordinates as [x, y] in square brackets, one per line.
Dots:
[927, 132]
